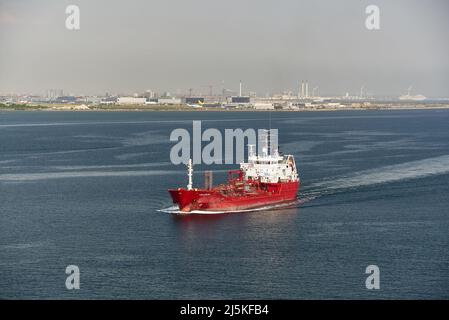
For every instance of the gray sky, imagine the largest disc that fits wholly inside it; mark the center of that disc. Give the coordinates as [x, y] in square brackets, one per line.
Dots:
[131, 46]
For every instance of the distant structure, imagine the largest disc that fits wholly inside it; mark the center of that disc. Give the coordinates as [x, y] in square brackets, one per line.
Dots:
[239, 100]
[131, 100]
[149, 94]
[166, 100]
[194, 100]
[65, 99]
[411, 97]
[304, 94]
[53, 94]
[169, 100]
[263, 106]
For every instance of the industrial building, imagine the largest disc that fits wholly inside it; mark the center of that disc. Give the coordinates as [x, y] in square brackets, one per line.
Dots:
[263, 106]
[131, 100]
[194, 100]
[52, 94]
[169, 100]
[240, 100]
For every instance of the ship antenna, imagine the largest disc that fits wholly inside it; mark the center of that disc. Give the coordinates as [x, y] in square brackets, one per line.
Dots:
[269, 132]
[269, 119]
[190, 174]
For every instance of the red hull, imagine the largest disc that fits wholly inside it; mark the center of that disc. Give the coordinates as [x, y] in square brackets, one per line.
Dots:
[233, 199]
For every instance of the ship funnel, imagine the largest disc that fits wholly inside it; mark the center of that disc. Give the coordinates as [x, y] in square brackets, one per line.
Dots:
[208, 180]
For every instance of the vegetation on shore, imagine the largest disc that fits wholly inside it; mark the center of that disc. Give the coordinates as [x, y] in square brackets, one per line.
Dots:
[150, 107]
[16, 106]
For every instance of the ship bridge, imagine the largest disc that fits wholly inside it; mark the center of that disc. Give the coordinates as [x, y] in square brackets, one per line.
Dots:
[269, 167]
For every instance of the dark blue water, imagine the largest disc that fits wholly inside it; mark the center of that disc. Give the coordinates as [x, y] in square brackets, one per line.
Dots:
[85, 189]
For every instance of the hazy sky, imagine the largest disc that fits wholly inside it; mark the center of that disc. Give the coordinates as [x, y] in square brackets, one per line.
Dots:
[130, 46]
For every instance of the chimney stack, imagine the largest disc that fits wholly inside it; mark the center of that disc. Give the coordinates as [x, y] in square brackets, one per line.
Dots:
[208, 180]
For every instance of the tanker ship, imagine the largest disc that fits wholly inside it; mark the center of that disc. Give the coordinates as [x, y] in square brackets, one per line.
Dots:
[266, 179]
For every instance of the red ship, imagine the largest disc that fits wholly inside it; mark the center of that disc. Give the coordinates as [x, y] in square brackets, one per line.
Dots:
[265, 180]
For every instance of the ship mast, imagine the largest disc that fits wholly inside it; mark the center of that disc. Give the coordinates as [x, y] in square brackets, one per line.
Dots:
[190, 174]
[264, 137]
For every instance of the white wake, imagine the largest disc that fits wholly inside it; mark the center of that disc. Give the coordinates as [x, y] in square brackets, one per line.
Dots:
[387, 174]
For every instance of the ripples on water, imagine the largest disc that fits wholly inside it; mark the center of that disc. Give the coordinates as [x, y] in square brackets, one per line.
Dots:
[90, 189]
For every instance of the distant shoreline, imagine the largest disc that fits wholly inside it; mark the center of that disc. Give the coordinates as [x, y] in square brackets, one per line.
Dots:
[181, 108]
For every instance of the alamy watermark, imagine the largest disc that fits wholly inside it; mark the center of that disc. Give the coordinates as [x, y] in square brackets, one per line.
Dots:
[373, 280]
[73, 279]
[219, 150]
[372, 21]
[72, 21]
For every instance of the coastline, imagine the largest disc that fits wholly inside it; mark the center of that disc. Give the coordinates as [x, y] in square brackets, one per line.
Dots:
[184, 108]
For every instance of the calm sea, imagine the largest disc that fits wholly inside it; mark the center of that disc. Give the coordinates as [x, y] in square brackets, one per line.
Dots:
[85, 189]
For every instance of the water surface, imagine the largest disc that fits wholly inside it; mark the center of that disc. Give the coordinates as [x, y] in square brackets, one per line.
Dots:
[85, 188]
